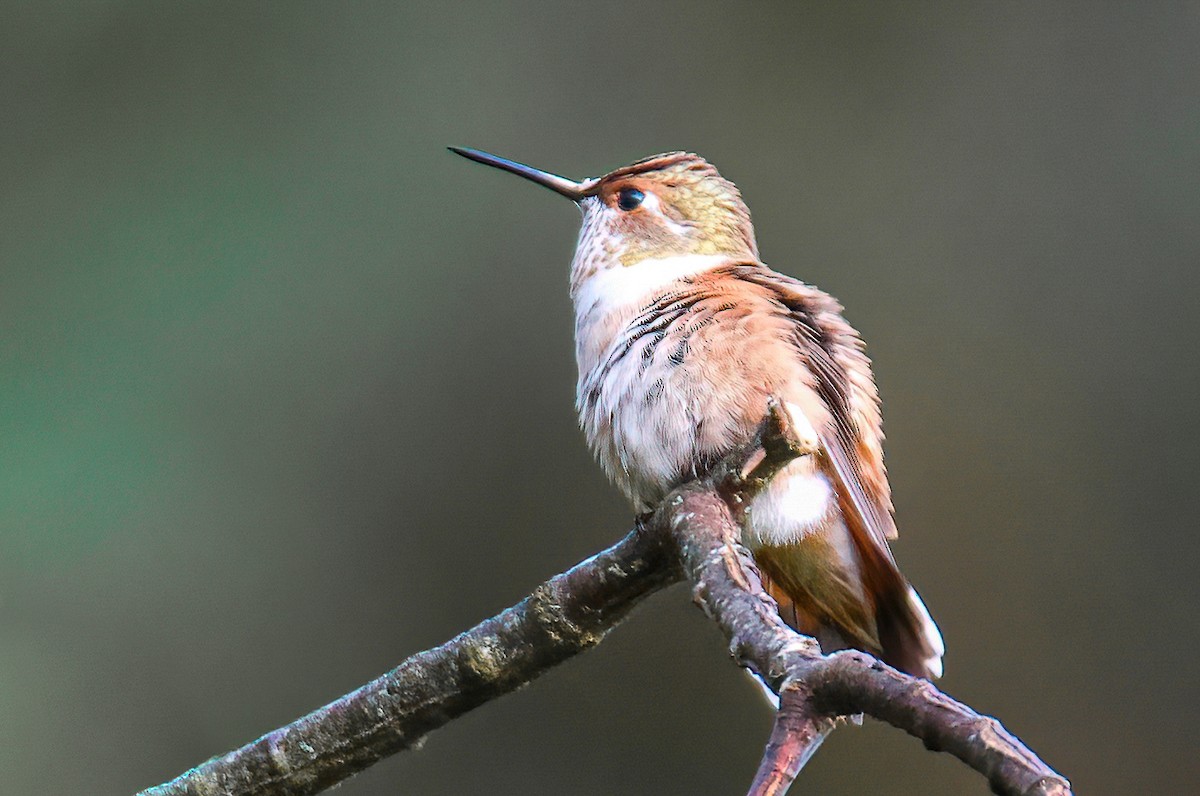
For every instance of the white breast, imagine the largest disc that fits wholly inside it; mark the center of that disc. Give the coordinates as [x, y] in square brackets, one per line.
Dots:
[610, 298]
[639, 443]
[619, 288]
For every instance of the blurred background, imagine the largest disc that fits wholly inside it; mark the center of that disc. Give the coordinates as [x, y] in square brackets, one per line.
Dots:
[286, 389]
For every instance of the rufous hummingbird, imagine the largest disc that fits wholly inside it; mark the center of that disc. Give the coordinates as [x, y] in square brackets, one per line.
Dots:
[682, 337]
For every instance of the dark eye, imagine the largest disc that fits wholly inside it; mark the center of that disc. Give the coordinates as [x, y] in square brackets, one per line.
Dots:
[629, 198]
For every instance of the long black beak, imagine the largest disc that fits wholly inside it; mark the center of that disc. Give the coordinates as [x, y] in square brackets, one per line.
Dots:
[568, 188]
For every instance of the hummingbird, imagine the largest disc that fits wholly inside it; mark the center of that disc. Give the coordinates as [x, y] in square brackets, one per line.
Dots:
[683, 337]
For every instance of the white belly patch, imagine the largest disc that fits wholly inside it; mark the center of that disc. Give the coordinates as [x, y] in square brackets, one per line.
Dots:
[800, 500]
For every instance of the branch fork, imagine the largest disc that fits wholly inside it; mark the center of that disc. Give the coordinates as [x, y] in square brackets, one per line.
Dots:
[693, 534]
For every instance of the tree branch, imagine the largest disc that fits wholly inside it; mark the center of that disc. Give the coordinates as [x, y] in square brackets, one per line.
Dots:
[798, 730]
[694, 533]
[564, 616]
[816, 689]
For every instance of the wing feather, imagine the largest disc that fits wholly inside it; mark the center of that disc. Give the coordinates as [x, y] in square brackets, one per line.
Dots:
[852, 439]
[842, 405]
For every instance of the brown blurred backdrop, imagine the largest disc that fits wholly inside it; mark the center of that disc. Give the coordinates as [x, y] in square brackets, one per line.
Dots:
[286, 388]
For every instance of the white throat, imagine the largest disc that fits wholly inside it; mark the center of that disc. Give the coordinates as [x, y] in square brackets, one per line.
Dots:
[628, 288]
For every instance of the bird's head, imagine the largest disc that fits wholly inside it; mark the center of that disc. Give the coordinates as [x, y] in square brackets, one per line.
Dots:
[657, 209]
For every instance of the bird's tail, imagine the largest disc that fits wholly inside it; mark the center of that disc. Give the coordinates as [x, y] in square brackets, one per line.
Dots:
[909, 638]
[902, 634]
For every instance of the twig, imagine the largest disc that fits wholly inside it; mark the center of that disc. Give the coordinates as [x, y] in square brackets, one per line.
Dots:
[563, 617]
[798, 731]
[693, 533]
